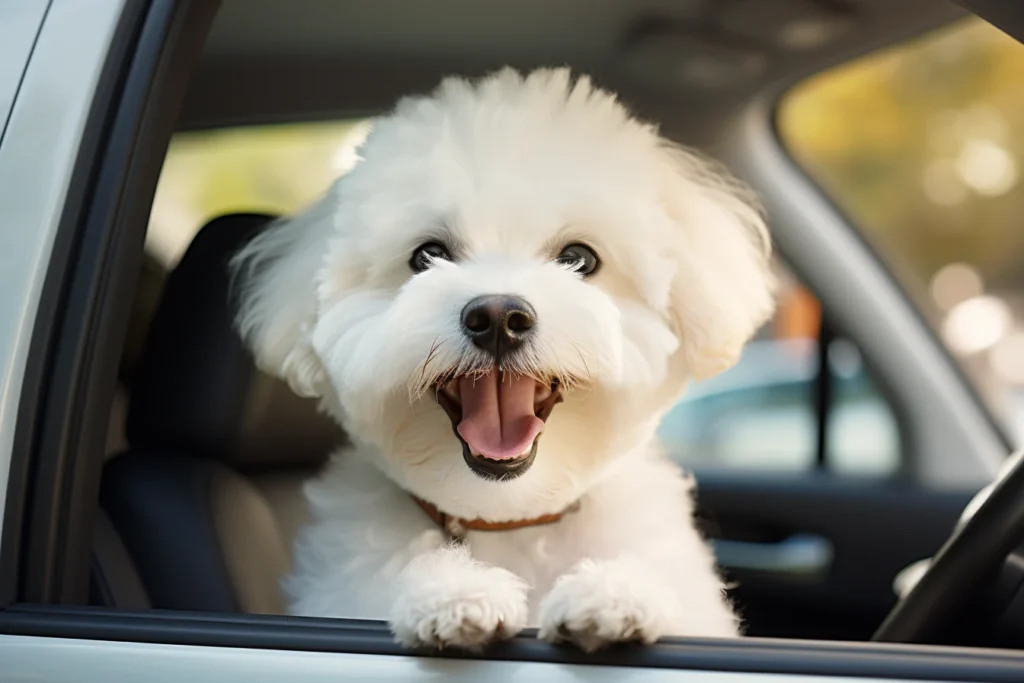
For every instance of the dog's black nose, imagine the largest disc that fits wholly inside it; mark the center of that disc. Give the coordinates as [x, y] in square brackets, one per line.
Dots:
[498, 323]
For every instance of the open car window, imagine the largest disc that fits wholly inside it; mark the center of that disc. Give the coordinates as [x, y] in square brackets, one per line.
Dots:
[766, 413]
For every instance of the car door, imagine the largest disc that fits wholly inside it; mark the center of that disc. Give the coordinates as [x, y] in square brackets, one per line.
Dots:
[115, 65]
[19, 24]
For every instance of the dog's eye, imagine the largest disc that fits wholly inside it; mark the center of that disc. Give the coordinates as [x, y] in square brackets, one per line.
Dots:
[580, 258]
[425, 254]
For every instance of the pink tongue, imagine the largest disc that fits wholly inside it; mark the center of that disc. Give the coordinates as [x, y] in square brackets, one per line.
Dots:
[498, 421]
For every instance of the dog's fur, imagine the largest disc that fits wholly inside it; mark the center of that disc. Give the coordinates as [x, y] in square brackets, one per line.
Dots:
[507, 171]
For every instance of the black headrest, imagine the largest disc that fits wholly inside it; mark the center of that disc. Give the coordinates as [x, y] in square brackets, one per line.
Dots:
[197, 390]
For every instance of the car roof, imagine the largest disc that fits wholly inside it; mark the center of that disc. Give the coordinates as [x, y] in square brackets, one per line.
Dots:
[690, 62]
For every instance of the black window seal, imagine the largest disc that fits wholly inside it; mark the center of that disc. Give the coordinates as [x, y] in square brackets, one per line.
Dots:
[350, 636]
[86, 299]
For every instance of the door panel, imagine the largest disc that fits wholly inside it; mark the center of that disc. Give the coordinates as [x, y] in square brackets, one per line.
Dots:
[69, 644]
[19, 24]
[836, 543]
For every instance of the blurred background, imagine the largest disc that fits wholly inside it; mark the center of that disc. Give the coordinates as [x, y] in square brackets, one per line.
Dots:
[919, 145]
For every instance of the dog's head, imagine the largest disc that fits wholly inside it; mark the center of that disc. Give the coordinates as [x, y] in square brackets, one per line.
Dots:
[509, 290]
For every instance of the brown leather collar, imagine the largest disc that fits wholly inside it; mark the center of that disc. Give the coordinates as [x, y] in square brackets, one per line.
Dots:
[457, 527]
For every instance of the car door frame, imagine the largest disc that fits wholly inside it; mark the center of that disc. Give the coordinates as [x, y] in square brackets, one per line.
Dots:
[18, 33]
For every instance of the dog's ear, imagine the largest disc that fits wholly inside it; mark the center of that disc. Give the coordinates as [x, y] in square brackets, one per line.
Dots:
[723, 289]
[274, 280]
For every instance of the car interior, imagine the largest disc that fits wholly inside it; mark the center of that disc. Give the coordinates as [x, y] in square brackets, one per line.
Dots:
[200, 492]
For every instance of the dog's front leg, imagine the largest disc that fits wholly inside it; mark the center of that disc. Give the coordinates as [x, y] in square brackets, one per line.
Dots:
[600, 602]
[445, 598]
[650, 573]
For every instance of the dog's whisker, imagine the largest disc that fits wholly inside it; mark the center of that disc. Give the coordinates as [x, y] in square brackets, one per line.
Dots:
[421, 385]
[583, 360]
[430, 356]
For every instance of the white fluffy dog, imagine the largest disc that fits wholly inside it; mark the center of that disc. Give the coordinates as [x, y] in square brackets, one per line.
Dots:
[498, 304]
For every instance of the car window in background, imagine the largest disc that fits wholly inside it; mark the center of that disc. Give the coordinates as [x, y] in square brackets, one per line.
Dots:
[273, 169]
[766, 413]
[762, 414]
[921, 146]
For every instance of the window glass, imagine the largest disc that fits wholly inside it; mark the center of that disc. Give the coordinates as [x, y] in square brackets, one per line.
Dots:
[762, 414]
[921, 146]
[862, 436]
[273, 169]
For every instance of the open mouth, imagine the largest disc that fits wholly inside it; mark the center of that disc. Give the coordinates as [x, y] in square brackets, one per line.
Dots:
[498, 418]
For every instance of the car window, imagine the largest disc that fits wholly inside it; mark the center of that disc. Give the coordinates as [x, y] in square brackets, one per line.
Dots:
[274, 169]
[921, 145]
[766, 413]
[781, 408]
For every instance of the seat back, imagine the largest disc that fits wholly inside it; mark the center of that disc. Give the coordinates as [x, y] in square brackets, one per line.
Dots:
[207, 496]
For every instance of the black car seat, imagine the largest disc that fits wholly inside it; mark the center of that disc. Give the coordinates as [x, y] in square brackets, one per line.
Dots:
[207, 497]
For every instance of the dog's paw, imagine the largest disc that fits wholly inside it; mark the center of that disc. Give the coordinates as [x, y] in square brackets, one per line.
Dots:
[603, 602]
[448, 600]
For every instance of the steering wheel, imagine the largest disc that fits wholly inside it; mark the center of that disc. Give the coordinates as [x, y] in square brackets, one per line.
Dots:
[973, 553]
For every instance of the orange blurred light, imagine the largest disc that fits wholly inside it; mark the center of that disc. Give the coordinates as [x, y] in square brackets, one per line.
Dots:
[798, 316]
